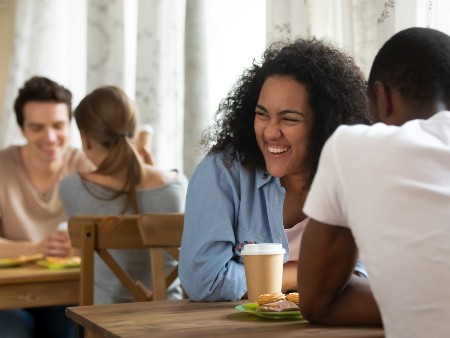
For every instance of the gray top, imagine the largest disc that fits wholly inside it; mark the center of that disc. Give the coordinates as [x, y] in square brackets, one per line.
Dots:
[79, 197]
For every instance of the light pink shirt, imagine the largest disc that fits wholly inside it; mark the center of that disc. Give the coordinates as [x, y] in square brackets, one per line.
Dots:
[294, 236]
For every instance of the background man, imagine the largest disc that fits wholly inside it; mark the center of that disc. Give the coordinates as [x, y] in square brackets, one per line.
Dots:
[30, 208]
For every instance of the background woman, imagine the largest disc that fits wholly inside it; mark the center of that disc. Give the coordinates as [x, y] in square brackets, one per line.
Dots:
[121, 184]
[263, 152]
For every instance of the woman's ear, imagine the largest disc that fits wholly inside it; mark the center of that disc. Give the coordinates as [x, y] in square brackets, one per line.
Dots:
[383, 101]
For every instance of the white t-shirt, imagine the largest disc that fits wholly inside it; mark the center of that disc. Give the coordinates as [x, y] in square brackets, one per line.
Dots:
[391, 186]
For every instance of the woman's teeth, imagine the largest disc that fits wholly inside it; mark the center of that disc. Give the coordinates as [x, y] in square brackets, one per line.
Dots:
[277, 150]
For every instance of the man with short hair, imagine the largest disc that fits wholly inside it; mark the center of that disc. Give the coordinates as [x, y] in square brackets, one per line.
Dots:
[383, 192]
[30, 208]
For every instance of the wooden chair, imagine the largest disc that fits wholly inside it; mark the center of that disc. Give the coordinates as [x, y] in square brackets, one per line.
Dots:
[159, 233]
[92, 233]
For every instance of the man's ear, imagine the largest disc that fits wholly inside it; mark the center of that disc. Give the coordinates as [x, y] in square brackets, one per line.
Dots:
[383, 101]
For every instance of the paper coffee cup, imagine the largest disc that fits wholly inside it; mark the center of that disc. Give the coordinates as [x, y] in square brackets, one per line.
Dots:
[144, 138]
[263, 265]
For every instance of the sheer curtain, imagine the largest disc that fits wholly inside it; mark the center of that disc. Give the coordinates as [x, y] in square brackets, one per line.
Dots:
[135, 44]
[45, 40]
[177, 58]
[358, 26]
[156, 50]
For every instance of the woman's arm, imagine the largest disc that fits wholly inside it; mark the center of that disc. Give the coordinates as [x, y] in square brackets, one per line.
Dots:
[289, 276]
[208, 269]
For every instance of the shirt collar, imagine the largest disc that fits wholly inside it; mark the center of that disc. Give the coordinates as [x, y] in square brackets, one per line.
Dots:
[263, 177]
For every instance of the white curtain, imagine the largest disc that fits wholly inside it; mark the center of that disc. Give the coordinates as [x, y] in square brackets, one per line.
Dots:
[138, 45]
[358, 26]
[46, 40]
[153, 74]
[157, 51]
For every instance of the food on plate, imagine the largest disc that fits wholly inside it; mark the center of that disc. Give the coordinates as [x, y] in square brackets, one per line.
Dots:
[275, 302]
[19, 260]
[73, 260]
[293, 297]
[52, 262]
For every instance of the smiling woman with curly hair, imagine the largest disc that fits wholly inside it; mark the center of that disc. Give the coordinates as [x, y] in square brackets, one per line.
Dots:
[262, 154]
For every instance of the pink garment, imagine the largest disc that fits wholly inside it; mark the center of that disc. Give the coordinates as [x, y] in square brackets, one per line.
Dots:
[294, 237]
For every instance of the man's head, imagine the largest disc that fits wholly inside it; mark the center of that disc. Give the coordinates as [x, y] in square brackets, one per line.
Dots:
[41, 89]
[414, 66]
[43, 111]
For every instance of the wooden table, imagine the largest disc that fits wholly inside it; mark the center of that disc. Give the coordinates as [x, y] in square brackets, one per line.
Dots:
[184, 318]
[31, 286]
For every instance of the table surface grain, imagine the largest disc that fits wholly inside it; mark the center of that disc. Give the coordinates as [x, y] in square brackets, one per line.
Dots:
[198, 319]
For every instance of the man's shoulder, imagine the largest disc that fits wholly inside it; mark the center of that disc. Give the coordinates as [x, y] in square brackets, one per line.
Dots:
[9, 151]
[75, 159]
[361, 132]
[73, 152]
[9, 157]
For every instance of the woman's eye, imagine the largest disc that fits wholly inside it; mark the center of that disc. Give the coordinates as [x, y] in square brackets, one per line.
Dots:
[293, 119]
[261, 114]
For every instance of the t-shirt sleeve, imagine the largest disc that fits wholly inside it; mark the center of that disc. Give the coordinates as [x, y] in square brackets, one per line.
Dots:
[326, 199]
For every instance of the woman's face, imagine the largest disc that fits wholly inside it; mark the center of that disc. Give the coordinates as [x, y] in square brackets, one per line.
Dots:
[282, 123]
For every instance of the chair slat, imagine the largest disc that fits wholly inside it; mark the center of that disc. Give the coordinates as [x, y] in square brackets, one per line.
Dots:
[156, 232]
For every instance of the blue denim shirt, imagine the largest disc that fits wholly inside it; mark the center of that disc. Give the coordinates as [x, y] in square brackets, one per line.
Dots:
[227, 207]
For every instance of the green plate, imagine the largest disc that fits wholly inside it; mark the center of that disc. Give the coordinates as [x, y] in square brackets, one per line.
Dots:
[19, 260]
[64, 263]
[253, 309]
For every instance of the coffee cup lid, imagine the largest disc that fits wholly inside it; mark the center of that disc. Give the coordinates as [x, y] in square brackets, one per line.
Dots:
[263, 249]
[147, 128]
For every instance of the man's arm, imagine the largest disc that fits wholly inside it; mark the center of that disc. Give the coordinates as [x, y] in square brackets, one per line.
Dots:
[329, 293]
[54, 244]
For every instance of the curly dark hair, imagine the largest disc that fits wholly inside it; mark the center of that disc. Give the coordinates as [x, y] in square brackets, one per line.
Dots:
[41, 89]
[336, 86]
[416, 62]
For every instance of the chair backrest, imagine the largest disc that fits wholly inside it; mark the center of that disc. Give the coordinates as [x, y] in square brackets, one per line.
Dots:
[92, 233]
[159, 233]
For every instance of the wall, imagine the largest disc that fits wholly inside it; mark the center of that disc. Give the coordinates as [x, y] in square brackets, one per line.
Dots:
[6, 39]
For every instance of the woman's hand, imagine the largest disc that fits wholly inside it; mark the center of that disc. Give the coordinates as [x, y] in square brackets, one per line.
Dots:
[289, 276]
[146, 156]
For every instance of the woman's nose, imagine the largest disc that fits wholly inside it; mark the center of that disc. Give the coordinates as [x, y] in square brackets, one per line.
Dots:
[272, 130]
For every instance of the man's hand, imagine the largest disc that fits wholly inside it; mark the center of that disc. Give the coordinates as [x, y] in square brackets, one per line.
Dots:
[56, 244]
